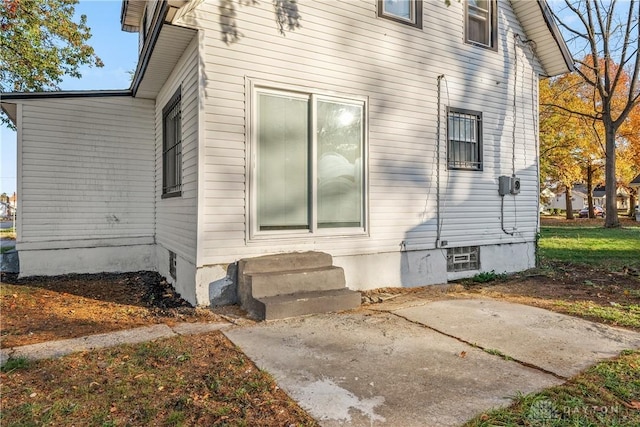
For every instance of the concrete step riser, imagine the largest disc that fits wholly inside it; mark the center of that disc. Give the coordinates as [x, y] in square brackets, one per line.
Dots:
[282, 308]
[285, 262]
[289, 282]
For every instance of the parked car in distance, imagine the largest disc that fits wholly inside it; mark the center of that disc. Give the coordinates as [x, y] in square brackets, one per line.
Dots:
[597, 211]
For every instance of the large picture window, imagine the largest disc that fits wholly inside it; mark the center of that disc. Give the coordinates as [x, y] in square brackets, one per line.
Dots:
[481, 23]
[464, 136]
[172, 147]
[405, 11]
[308, 160]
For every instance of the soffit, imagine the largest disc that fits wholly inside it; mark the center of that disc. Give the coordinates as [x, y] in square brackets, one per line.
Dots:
[131, 14]
[169, 47]
[537, 22]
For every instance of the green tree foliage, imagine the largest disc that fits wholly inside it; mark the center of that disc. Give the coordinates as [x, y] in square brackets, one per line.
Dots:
[41, 43]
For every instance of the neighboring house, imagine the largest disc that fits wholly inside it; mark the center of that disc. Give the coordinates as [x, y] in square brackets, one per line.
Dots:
[546, 196]
[599, 195]
[8, 205]
[376, 132]
[578, 199]
[622, 197]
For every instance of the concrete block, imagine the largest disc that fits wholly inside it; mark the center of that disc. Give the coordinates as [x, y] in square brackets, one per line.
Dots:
[285, 262]
[303, 303]
[289, 282]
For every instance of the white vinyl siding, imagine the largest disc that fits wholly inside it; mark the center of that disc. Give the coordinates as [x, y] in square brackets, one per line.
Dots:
[176, 216]
[87, 171]
[345, 48]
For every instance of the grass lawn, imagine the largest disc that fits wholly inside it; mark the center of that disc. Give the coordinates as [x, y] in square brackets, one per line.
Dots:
[607, 248]
[608, 394]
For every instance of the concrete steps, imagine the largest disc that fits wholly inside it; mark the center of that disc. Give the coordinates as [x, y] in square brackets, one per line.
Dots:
[293, 284]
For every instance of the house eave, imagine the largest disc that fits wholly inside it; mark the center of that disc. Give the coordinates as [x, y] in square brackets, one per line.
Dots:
[131, 14]
[539, 26]
[162, 50]
[10, 108]
[557, 36]
[132, 11]
[13, 96]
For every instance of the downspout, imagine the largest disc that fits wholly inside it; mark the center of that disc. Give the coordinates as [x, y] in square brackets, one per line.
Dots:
[438, 228]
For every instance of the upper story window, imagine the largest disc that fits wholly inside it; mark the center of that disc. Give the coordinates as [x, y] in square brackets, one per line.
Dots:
[406, 11]
[464, 136]
[172, 147]
[482, 23]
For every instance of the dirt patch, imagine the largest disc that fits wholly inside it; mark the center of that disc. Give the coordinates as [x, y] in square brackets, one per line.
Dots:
[561, 221]
[607, 297]
[38, 309]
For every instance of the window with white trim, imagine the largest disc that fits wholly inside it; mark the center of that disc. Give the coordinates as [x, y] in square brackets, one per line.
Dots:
[482, 23]
[172, 147]
[308, 163]
[464, 136]
[405, 11]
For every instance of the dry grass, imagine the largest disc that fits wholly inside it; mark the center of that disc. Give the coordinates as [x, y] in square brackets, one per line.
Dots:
[197, 380]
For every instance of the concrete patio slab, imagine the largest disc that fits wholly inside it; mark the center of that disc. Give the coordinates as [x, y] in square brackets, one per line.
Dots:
[555, 342]
[372, 368]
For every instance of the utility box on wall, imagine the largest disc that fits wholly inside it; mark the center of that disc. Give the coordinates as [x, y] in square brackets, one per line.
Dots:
[504, 185]
[515, 185]
[508, 185]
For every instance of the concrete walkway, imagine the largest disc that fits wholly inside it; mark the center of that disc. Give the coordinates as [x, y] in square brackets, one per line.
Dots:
[51, 349]
[407, 364]
[433, 364]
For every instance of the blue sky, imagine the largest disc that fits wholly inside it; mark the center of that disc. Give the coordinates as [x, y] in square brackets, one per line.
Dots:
[117, 49]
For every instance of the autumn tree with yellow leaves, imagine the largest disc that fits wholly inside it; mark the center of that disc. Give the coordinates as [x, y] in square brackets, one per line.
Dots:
[604, 38]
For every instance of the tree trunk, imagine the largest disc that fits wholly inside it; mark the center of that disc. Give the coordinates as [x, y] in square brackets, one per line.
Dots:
[611, 205]
[632, 203]
[590, 190]
[567, 195]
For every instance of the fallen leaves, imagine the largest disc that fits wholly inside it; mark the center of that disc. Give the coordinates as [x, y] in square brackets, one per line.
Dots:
[634, 405]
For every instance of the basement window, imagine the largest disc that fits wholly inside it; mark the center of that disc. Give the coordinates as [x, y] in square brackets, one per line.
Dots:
[464, 258]
[172, 264]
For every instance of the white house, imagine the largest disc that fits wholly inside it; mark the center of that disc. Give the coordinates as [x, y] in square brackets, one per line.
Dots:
[579, 199]
[374, 131]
